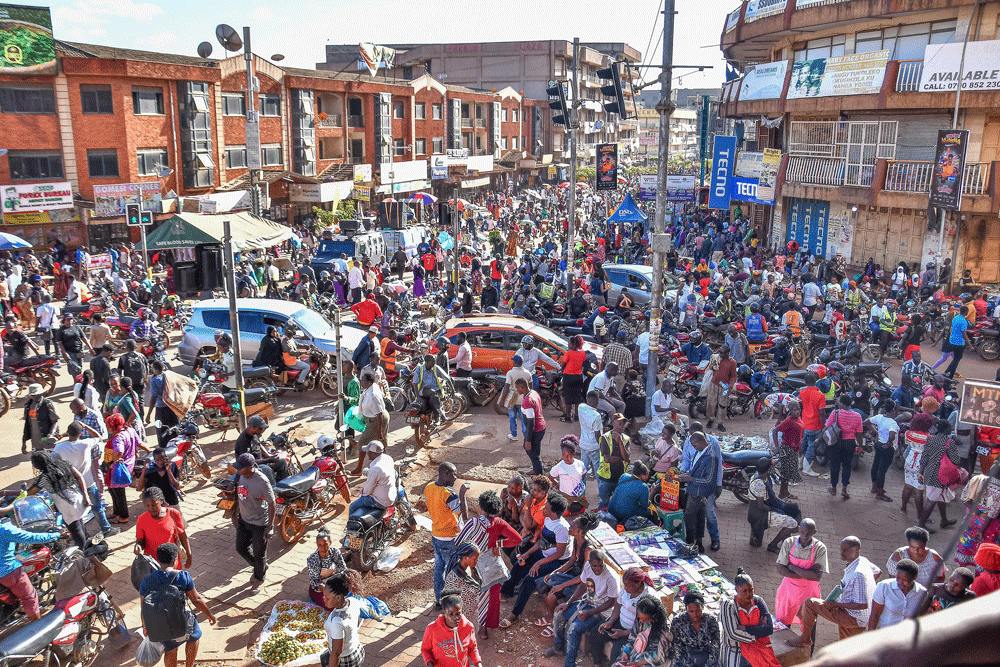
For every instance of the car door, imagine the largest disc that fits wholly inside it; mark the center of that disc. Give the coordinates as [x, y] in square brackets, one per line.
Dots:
[617, 279]
[251, 332]
[489, 349]
[639, 287]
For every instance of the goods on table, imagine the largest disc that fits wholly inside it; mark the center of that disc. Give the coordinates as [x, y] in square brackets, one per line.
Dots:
[293, 635]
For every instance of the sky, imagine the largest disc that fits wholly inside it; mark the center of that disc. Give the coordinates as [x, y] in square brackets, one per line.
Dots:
[299, 30]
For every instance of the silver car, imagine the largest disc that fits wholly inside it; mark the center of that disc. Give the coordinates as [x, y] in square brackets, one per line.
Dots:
[638, 279]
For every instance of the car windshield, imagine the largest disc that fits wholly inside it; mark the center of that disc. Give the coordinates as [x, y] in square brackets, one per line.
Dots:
[312, 322]
[552, 337]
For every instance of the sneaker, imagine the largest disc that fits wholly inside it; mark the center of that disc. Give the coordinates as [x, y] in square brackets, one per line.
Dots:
[112, 531]
[512, 438]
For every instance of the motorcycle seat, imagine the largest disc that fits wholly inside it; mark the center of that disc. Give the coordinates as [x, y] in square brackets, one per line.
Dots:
[76, 309]
[256, 372]
[481, 373]
[127, 319]
[744, 457]
[257, 395]
[797, 374]
[31, 361]
[989, 332]
[867, 369]
[298, 484]
[32, 639]
[822, 338]
[366, 516]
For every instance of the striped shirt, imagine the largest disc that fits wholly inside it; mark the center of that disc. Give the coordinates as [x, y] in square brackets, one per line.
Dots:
[849, 421]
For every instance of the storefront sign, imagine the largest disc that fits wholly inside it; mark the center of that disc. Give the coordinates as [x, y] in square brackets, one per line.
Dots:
[99, 262]
[758, 9]
[680, 188]
[856, 74]
[748, 163]
[607, 166]
[980, 403]
[318, 193]
[405, 186]
[439, 167]
[723, 163]
[362, 193]
[26, 44]
[981, 70]
[949, 166]
[208, 206]
[746, 189]
[362, 173]
[764, 82]
[37, 197]
[413, 170]
[552, 171]
[799, 4]
[110, 200]
[732, 19]
[647, 187]
[768, 179]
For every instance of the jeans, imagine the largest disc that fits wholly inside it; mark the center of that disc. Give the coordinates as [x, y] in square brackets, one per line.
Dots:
[601, 640]
[251, 535]
[118, 502]
[605, 487]
[364, 502]
[78, 533]
[442, 554]
[98, 506]
[569, 634]
[711, 519]
[535, 452]
[880, 464]
[809, 440]
[591, 459]
[303, 367]
[953, 366]
[841, 460]
[512, 414]
[694, 518]
[529, 583]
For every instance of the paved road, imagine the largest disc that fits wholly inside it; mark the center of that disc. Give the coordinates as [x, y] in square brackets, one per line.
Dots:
[477, 444]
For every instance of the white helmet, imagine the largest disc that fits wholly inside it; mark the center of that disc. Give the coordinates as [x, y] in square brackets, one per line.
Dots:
[324, 441]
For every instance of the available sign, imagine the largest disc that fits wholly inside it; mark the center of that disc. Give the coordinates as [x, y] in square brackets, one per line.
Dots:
[980, 403]
[764, 82]
[110, 200]
[981, 70]
[723, 163]
[439, 167]
[745, 189]
[856, 74]
[37, 197]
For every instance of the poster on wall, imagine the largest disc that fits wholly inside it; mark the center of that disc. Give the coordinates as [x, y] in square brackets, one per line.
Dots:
[748, 164]
[807, 224]
[110, 200]
[607, 166]
[943, 61]
[949, 166]
[840, 236]
[26, 44]
[763, 82]
[855, 74]
[767, 182]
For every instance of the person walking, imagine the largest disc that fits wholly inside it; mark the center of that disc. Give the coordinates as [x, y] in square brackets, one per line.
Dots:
[442, 506]
[887, 435]
[842, 452]
[450, 640]
[718, 390]
[813, 403]
[954, 347]
[41, 423]
[256, 521]
[614, 456]
[534, 422]
[939, 445]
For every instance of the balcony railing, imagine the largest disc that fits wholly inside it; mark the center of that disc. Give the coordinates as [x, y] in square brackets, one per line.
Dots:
[480, 122]
[332, 120]
[915, 176]
[466, 122]
[816, 170]
[355, 121]
[908, 76]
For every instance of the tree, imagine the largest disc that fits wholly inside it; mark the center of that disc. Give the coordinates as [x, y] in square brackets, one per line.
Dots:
[344, 211]
[585, 174]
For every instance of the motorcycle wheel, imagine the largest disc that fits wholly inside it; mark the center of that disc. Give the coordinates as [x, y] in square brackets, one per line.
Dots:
[800, 359]
[497, 405]
[165, 337]
[872, 354]
[185, 475]
[738, 407]
[328, 385]
[743, 495]
[47, 379]
[5, 402]
[364, 559]
[398, 398]
[452, 406]
[989, 350]
[292, 526]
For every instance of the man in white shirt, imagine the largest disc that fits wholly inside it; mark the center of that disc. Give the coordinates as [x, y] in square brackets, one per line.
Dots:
[591, 427]
[510, 399]
[380, 489]
[46, 314]
[463, 358]
[77, 452]
[896, 599]
[371, 404]
[355, 277]
[811, 294]
[603, 383]
[643, 342]
[74, 295]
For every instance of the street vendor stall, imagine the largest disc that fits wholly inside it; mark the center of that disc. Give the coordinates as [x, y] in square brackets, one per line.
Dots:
[186, 230]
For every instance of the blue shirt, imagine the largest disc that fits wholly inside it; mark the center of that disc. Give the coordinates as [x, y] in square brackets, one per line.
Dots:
[696, 355]
[10, 537]
[688, 453]
[703, 472]
[156, 386]
[631, 498]
[958, 326]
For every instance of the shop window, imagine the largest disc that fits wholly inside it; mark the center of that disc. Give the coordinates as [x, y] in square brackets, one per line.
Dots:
[26, 165]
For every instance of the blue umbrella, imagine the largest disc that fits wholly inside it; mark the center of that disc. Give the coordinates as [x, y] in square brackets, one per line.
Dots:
[11, 242]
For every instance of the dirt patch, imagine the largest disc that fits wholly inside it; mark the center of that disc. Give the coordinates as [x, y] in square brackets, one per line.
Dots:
[409, 585]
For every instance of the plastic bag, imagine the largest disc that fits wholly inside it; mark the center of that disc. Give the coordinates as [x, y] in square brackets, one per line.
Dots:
[149, 653]
[389, 559]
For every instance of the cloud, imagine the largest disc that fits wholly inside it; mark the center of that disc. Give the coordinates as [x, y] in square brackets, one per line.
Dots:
[158, 40]
[94, 12]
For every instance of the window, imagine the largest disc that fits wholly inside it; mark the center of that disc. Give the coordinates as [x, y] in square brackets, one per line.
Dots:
[490, 340]
[271, 155]
[234, 104]
[437, 145]
[479, 143]
[251, 322]
[217, 319]
[236, 157]
[420, 111]
[503, 143]
[102, 162]
[96, 99]
[398, 110]
[408, 73]
[270, 104]
[436, 111]
[27, 99]
[151, 160]
[824, 47]
[513, 113]
[503, 115]
[420, 147]
[25, 165]
[513, 143]
[147, 101]
[399, 148]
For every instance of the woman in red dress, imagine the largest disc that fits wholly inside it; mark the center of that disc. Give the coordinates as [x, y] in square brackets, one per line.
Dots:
[745, 628]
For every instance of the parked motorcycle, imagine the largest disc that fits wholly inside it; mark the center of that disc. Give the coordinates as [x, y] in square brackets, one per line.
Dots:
[481, 388]
[369, 531]
[34, 370]
[308, 495]
[321, 374]
[220, 411]
[184, 451]
[739, 467]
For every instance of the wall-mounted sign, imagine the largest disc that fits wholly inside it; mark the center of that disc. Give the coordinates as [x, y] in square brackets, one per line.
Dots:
[110, 200]
[768, 179]
[745, 189]
[723, 163]
[26, 44]
[37, 197]
[764, 82]
[362, 173]
[758, 9]
[980, 403]
[942, 61]
[949, 166]
[748, 163]
[856, 74]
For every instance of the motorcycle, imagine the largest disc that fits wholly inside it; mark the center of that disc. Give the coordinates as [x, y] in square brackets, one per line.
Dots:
[310, 494]
[320, 374]
[424, 422]
[220, 411]
[34, 370]
[481, 388]
[369, 531]
[739, 467]
[121, 328]
[183, 451]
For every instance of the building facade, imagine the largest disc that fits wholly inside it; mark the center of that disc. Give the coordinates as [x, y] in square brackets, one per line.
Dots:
[853, 95]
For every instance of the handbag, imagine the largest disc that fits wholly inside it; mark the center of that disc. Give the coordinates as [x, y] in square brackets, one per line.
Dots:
[950, 474]
[833, 433]
[141, 567]
[492, 570]
[121, 475]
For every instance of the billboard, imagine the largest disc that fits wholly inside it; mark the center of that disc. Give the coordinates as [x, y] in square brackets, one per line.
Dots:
[949, 166]
[37, 197]
[855, 74]
[723, 163]
[110, 200]
[757, 9]
[980, 403]
[746, 189]
[607, 166]
[26, 44]
[362, 173]
[748, 163]
[942, 63]
[680, 188]
[647, 187]
[764, 82]
[768, 179]
[807, 224]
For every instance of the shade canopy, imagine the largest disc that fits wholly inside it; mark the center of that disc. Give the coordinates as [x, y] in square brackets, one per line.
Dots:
[627, 211]
[185, 230]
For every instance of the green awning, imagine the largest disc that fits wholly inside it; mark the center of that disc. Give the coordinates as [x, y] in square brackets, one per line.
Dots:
[185, 230]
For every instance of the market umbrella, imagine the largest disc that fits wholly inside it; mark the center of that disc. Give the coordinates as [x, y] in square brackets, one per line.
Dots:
[581, 184]
[623, 180]
[421, 198]
[461, 201]
[564, 185]
[11, 242]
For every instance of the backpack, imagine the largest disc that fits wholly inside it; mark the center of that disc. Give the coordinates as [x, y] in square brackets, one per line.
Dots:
[164, 613]
[132, 367]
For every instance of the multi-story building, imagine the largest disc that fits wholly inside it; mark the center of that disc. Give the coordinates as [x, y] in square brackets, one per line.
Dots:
[853, 94]
[114, 123]
[684, 133]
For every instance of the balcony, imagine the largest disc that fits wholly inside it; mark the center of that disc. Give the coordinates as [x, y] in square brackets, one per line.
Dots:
[480, 122]
[915, 176]
[466, 122]
[908, 76]
[333, 120]
[816, 170]
[355, 121]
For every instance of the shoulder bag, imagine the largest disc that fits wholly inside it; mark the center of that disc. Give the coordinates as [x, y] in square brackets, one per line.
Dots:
[833, 433]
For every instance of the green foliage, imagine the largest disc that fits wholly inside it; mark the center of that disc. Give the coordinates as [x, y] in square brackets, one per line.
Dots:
[585, 174]
[344, 211]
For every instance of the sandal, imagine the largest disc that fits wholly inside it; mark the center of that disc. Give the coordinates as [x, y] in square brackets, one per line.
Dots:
[505, 623]
[541, 623]
[548, 633]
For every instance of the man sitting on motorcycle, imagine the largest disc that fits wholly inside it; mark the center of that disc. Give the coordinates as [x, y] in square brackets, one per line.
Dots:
[887, 324]
[918, 369]
[792, 319]
[381, 487]
[577, 305]
[428, 380]
[249, 443]
[143, 329]
[532, 311]
[12, 575]
[16, 343]
[756, 325]
[696, 350]
[291, 357]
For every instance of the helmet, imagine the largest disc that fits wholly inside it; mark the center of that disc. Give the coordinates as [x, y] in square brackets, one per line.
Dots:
[837, 304]
[527, 341]
[189, 429]
[490, 310]
[755, 289]
[532, 301]
[257, 422]
[225, 339]
[291, 329]
[744, 373]
[393, 307]
[695, 336]
[754, 307]
[548, 277]
[668, 303]
[324, 274]
[442, 343]
[324, 441]
[819, 369]
[824, 385]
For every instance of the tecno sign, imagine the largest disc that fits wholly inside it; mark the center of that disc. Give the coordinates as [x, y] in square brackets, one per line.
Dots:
[722, 169]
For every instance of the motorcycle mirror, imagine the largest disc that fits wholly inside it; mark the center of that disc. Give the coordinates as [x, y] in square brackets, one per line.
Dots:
[887, 382]
[158, 424]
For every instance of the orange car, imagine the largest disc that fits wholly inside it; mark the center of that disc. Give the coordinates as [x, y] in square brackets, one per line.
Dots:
[495, 339]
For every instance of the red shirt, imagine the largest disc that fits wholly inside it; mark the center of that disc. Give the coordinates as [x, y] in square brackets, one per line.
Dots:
[367, 312]
[813, 402]
[159, 531]
[791, 432]
[533, 402]
[574, 362]
[849, 421]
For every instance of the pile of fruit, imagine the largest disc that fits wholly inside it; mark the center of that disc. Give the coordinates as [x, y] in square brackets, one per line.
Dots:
[295, 631]
[281, 648]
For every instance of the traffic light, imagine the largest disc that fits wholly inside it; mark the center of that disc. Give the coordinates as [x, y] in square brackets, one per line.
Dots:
[557, 91]
[146, 217]
[614, 89]
[133, 216]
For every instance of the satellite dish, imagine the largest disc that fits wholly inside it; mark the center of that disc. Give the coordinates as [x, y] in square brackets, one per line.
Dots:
[277, 57]
[3, 151]
[205, 49]
[228, 37]
[164, 172]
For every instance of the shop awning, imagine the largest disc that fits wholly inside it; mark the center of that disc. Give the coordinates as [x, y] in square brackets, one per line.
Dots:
[627, 211]
[185, 230]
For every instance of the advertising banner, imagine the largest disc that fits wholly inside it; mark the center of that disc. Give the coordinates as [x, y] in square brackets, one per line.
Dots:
[942, 62]
[647, 187]
[949, 165]
[764, 82]
[37, 197]
[110, 200]
[980, 403]
[362, 173]
[746, 189]
[723, 163]
[680, 188]
[26, 44]
[807, 224]
[439, 167]
[757, 9]
[607, 166]
[856, 74]
[767, 182]
[748, 164]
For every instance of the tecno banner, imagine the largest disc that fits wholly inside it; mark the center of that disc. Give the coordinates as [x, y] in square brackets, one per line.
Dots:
[981, 70]
[723, 164]
[745, 189]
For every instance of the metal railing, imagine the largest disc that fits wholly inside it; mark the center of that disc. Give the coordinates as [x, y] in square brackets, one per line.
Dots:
[480, 122]
[908, 76]
[816, 170]
[355, 121]
[331, 120]
[915, 176]
[466, 122]
[977, 176]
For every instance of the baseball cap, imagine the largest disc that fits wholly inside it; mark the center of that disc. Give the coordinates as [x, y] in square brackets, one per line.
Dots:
[257, 422]
[373, 329]
[245, 460]
[374, 447]
[602, 309]
[619, 415]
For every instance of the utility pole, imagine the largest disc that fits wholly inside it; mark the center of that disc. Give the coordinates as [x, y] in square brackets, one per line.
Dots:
[659, 241]
[252, 128]
[234, 319]
[571, 122]
[456, 229]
